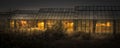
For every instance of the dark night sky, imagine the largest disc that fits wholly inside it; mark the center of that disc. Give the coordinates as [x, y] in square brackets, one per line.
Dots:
[36, 4]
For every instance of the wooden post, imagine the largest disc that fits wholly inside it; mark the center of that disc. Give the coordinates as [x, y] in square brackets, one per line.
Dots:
[45, 25]
[114, 27]
[7, 25]
[15, 26]
[75, 25]
[94, 25]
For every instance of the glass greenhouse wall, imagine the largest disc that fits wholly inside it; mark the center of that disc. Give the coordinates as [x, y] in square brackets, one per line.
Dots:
[88, 19]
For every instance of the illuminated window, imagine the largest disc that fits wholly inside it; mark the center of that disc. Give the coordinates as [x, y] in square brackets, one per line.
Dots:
[117, 26]
[108, 24]
[23, 23]
[85, 26]
[29, 25]
[41, 25]
[103, 27]
[51, 24]
[32, 24]
[12, 24]
[68, 26]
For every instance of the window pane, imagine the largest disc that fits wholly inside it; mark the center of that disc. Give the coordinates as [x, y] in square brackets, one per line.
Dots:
[85, 26]
[117, 26]
[104, 26]
[51, 24]
[41, 25]
[12, 24]
[68, 26]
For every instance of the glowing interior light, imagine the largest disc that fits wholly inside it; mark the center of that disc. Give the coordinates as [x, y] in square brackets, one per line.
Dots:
[69, 26]
[104, 24]
[108, 24]
[42, 23]
[12, 24]
[98, 24]
[23, 22]
[50, 24]
[103, 27]
[41, 26]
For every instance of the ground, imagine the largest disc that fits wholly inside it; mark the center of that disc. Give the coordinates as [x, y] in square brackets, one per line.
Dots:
[11, 40]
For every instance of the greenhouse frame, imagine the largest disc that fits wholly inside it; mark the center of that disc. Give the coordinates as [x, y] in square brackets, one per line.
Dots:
[89, 19]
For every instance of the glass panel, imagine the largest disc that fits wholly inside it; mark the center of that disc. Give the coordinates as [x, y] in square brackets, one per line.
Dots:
[26, 25]
[104, 27]
[21, 24]
[41, 25]
[12, 24]
[51, 24]
[117, 26]
[85, 26]
[68, 26]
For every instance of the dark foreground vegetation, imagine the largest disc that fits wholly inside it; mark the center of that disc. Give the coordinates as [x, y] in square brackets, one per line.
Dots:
[56, 39]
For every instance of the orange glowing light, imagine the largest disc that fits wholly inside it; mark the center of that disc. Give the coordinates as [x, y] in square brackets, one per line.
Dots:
[108, 24]
[23, 22]
[104, 24]
[12, 24]
[69, 27]
[41, 26]
[50, 24]
[98, 24]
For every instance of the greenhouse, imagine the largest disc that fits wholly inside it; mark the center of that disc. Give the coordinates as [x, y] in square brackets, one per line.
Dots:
[89, 19]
